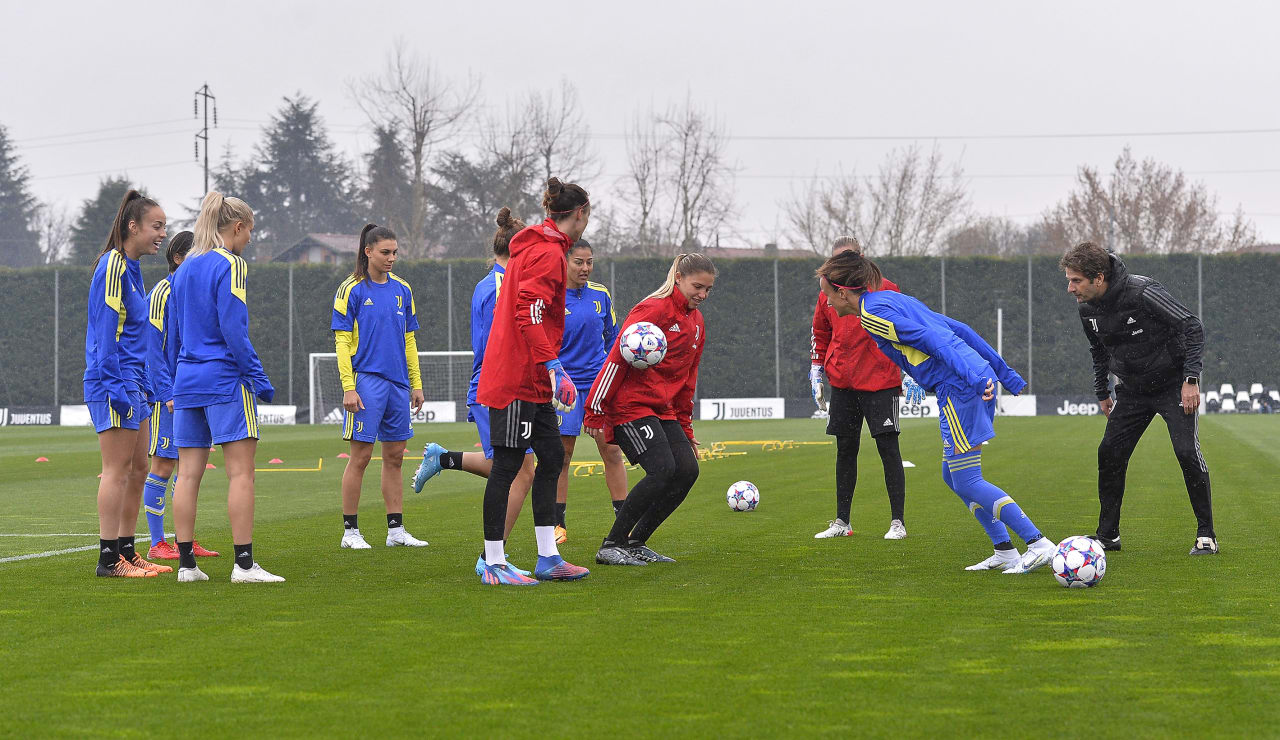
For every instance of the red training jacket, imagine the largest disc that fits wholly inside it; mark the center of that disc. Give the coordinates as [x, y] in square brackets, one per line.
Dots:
[848, 353]
[622, 393]
[528, 320]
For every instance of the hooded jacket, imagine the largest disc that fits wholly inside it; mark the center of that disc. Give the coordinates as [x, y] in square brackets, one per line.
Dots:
[849, 354]
[528, 320]
[1141, 333]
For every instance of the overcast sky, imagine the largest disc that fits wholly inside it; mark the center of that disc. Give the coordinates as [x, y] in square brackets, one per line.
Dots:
[91, 88]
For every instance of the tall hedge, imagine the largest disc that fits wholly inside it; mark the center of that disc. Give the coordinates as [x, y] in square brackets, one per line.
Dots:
[1239, 308]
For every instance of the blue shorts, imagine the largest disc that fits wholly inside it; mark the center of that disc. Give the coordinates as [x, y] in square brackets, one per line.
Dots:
[385, 416]
[571, 420]
[229, 421]
[162, 444]
[965, 422]
[479, 414]
[104, 417]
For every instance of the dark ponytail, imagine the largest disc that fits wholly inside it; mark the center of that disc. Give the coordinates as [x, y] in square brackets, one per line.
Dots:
[561, 199]
[134, 206]
[851, 271]
[508, 226]
[179, 245]
[371, 234]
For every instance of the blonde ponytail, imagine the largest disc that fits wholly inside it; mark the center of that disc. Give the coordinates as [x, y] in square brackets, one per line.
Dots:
[217, 213]
[683, 264]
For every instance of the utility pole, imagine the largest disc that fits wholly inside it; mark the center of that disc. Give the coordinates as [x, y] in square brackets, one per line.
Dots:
[203, 134]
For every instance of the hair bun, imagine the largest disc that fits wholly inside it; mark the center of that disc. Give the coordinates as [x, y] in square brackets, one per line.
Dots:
[504, 217]
[554, 186]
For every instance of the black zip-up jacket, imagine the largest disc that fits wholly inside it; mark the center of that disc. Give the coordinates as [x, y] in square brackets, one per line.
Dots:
[1141, 333]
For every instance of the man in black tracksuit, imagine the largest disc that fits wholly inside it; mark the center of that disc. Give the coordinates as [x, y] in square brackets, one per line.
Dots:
[1153, 345]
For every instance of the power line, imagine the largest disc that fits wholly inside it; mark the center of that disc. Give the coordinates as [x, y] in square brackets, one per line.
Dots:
[99, 131]
[115, 170]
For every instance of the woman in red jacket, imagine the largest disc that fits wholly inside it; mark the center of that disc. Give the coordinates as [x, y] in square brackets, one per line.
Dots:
[864, 385]
[649, 413]
[522, 383]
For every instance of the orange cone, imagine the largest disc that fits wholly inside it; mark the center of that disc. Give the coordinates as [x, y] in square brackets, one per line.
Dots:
[42, 459]
[275, 461]
[343, 456]
[210, 466]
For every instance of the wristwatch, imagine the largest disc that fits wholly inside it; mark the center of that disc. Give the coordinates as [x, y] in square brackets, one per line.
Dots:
[1191, 380]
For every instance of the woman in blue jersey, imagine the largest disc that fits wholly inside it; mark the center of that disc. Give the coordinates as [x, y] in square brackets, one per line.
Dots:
[374, 320]
[116, 388]
[216, 380]
[949, 358]
[163, 451]
[590, 329]
[436, 458]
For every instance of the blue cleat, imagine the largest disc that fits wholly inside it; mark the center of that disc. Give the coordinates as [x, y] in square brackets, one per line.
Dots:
[554, 568]
[430, 466]
[480, 565]
[504, 575]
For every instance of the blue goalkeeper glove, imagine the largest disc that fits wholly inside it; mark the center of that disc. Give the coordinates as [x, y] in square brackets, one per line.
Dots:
[563, 393]
[913, 391]
[817, 379]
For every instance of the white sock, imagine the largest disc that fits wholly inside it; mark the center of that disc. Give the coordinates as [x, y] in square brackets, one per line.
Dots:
[1040, 544]
[1008, 554]
[546, 541]
[493, 553]
[395, 530]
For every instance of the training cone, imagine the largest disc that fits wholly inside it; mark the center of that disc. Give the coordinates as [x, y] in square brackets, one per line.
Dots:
[477, 444]
[42, 459]
[274, 461]
[343, 456]
[210, 466]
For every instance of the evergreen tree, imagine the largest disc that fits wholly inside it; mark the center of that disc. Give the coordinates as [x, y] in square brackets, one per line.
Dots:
[89, 234]
[388, 190]
[19, 241]
[466, 196]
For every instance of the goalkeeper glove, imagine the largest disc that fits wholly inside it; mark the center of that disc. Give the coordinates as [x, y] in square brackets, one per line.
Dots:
[817, 377]
[563, 393]
[913, 391]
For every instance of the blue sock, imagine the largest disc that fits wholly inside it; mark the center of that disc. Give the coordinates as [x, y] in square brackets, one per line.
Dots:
[995, 529]
[153, 502]
[998, 509]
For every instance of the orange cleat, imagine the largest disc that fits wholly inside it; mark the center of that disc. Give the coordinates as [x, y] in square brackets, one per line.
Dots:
[138, 562]
[200, 552]
[163, 551]
[123, 569]
[562, 535]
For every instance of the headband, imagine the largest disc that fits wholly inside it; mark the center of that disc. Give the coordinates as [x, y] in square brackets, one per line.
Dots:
[846, 287]
[571, 210]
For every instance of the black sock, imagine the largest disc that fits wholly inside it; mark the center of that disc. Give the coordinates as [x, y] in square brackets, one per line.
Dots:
[186, 556]
[1006, 545]
[126, 548]
[395, 520]
[560, 512]
[108, 552]
[244, 556]
[349, 521]
[617, 506]
[451, 461]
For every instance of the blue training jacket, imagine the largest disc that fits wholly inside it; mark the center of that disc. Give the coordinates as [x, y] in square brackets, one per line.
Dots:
[209, 324]
[483, 300]
[115, 347]
[159, 359]
[590, 329]
[938, 351]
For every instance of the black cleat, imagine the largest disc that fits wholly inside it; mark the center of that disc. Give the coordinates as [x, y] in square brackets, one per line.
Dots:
[614, 555]
[640, 551]
[1108, 545]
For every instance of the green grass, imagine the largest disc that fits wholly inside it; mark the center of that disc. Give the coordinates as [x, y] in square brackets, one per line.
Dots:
[758, 629]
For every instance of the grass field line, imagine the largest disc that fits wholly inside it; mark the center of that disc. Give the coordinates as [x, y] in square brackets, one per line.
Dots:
[47, 554]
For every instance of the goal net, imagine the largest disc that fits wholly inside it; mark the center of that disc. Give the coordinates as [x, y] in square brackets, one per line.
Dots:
[445, 377]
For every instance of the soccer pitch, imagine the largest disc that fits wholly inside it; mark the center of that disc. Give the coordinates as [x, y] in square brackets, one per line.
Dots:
[759, 629]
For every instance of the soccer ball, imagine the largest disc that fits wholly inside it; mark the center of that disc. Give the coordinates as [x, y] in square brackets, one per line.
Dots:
[643, 345]
[1079, 562]
[743, 496]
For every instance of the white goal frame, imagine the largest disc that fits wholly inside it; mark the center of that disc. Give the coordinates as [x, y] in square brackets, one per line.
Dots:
[434, 393]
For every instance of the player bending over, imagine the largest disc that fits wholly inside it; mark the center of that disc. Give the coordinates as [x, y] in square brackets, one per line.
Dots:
[374, 319]
[949, 358]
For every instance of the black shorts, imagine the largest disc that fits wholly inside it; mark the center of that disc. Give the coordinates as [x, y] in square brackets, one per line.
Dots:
[637, 437]
[520, 423]
[848, 408]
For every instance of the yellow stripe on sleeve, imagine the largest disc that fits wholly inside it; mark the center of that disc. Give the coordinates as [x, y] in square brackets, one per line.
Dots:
[345, 343]
[343, 295]
[411, 360]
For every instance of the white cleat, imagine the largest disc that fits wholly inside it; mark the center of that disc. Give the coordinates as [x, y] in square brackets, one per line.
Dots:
[191, 575]
[896, 531]
[837, 528]
[351, 538]
[1001, 560]
[399, 538]
[1037, 555]
[256, 574]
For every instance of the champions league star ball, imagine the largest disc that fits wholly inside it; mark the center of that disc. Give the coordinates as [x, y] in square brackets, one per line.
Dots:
[643, 345]
[743, 496]
[1079, 562]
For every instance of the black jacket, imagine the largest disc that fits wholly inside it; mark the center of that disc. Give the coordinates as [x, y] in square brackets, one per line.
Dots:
[1139, 332]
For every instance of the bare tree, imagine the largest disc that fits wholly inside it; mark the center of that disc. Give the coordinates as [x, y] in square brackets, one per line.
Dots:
[559, 135]
[410, 97]
[53, 223]
[906, 209]
[643, 183]
[1145, 208]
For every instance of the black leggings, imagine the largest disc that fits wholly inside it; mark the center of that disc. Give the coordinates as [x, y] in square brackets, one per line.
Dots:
[670, 471]
[506, 464]
[895, 480]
